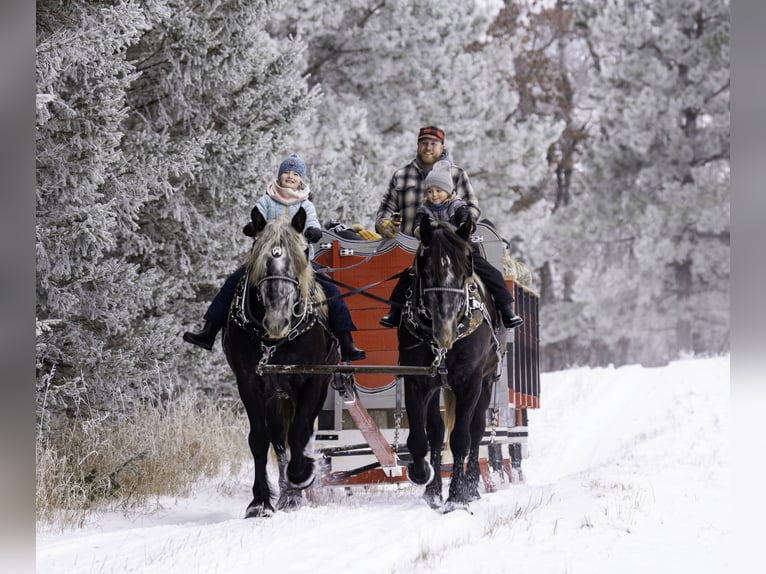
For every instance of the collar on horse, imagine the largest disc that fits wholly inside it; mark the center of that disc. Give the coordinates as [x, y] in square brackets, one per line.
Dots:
[473, 314]
[417, 317]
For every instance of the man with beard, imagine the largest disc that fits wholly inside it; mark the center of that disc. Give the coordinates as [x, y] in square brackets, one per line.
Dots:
[407, 187]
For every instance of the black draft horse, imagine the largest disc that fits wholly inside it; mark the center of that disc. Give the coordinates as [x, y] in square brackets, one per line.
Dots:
[278, 317]
[447, 321]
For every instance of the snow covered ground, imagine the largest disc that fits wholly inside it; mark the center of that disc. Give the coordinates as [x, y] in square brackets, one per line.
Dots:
[628, 473]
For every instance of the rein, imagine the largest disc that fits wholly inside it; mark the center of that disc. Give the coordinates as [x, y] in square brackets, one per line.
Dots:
[363, 290]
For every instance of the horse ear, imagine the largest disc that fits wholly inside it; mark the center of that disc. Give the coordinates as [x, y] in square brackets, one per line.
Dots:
[466, 229]
[259, 222]
[299, 220]
[426, 233]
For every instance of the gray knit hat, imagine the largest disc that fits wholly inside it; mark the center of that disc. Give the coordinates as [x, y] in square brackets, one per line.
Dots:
[440, 176]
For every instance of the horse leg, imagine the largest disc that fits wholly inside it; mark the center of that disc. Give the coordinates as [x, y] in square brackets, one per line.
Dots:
[278, 410]
[478, 425]
[416, 394]
[290, 497]
[259, 447]
[435, 433]
[301, 470]
[460, 441]
[258, 442]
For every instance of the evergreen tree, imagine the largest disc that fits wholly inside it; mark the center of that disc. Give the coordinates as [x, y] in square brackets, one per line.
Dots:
[213, 112]
[88, 293]
[651, 229]
[158, 126]
[388, 68]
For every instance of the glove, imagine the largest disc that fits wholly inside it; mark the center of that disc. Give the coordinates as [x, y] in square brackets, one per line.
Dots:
[313, 234]
[388, 229]
[248, 229]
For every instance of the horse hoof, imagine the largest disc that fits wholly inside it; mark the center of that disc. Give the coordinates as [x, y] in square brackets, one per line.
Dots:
[473, 496]
[301, 482]
[290, 501]
[259, 511]
[433, 501]
[415, 480]
[451, 506]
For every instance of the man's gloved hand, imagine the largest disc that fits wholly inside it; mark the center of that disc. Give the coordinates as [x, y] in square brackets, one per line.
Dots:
[388, 229]
[313, 234]
[248, 229]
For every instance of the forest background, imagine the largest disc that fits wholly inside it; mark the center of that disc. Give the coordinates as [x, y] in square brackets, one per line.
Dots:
[596, 135]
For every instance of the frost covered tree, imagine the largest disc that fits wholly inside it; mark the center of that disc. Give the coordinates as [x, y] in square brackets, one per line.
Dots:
[214, 110]
[650, 232]
[88, 294]
[158, 123]
[386, 69]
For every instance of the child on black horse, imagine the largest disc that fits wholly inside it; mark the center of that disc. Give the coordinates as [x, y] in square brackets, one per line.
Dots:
[441, 204]
[284, 196]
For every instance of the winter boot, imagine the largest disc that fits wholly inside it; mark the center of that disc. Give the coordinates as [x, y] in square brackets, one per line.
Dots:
[510, 319]
[348, 351]
[391, 320]
[205, 338]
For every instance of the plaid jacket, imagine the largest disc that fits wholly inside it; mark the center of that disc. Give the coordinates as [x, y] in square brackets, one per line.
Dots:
[407, 190]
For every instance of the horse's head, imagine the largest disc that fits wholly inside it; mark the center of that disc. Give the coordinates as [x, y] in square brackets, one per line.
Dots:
[444, 266]
[279, 270]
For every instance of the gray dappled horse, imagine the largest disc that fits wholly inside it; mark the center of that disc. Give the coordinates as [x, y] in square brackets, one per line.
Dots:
[278, 318]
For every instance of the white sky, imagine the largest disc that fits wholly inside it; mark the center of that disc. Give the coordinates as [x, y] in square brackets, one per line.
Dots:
[628, 472]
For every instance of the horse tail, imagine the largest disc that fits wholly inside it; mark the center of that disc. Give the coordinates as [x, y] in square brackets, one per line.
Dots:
[449, 414]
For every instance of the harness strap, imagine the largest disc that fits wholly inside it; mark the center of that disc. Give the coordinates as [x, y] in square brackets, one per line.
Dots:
[363, 290]
[277, 278]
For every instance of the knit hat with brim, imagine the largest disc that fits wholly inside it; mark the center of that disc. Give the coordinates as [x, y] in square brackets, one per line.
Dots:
[440, 176]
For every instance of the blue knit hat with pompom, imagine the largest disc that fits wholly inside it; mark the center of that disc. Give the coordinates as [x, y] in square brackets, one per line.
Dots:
[292, 163]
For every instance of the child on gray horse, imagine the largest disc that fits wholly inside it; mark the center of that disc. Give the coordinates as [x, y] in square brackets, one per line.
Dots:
[284, 196]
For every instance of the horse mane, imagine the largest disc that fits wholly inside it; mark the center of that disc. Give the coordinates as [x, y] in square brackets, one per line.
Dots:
[280, 232]
[445, 243]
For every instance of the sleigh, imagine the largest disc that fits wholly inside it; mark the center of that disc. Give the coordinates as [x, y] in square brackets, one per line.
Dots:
[362, 428]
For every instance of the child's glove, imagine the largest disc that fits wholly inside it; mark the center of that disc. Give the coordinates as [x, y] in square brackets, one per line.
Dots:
[313, 234]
